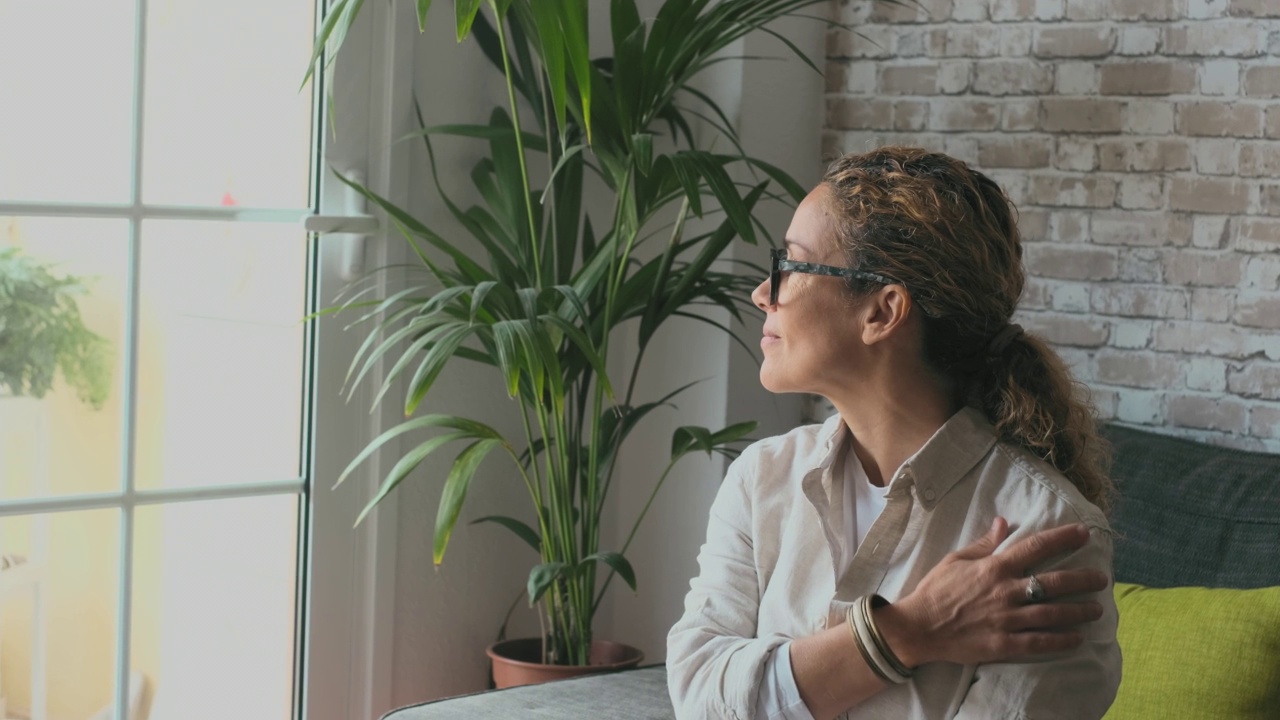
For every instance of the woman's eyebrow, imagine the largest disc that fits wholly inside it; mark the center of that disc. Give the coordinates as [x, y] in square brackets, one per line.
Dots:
[795, 244]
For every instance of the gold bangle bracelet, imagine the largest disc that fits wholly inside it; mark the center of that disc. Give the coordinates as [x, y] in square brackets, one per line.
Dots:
[878, 639]
[862, 650]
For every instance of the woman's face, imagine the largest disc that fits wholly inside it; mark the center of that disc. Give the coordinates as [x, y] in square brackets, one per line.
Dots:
[812, 339]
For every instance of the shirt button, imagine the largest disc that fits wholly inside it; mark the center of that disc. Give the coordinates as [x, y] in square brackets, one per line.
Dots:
[929, 494]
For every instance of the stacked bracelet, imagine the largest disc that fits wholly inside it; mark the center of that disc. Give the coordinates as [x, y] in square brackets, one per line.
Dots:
[871, 644]
[862, 645]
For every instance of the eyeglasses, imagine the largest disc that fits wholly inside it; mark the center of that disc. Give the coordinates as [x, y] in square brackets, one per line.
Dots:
[781, 264]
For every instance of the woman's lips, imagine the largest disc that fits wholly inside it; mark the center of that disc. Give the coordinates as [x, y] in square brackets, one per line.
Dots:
[768, 339]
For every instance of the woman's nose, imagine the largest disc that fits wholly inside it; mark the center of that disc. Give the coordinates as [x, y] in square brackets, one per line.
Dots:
[760, 296]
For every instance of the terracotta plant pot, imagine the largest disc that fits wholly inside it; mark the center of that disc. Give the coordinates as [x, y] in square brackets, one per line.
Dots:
[517, 662]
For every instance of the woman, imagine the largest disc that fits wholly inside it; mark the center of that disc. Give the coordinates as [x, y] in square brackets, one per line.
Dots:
[937, 549]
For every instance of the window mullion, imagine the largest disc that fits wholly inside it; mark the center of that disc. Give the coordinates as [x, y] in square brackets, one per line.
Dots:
[124, 605]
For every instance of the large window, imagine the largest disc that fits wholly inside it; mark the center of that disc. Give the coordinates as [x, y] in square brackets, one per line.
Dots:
[157, 517]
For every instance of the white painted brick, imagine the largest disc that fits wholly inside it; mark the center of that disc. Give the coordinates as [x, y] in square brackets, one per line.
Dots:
[1142, 266]
[1209, 412]
[1132, 334]
[1137, 301]
[911, 42]
[1212, 305]
[1258, 344]
[1077, 78]
[970, 11]
[1140, 406]
[1220, 77]
[1050, 9]
[1141, 192]
[1148, 117]
[1202, 9]
[1264, 420]
[1205, 373]
[1210, 231]
[1104, 402]
[1067, 226]
[1070, 297]
[1262, 273]
[1077, 362]
[1015, 41]
[1075, 153]
[1139, 40]
[1215, 156]
[954, 77]
[962, 147]
[860, 78]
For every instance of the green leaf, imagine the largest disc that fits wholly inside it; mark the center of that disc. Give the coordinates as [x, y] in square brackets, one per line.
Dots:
[573, 21]
[689, 438]
[464, 15]
[522, 530]
[734, 432]
[506, 131]
[642, 147]
[405, 465]
[471, 428]
[455, 492]
[336, 24]
[423, 7]
[541, 577]
[551, 39]
[618, 563]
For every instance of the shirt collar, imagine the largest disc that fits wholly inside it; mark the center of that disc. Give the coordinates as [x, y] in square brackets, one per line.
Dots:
[962, 441]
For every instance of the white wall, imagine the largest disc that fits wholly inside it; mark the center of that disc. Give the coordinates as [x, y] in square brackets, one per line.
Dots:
[445, 619]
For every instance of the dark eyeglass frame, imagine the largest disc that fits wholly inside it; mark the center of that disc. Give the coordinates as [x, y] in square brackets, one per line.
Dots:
[781, 264]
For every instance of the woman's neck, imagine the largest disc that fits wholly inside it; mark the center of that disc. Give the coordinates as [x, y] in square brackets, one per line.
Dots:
[891, 419]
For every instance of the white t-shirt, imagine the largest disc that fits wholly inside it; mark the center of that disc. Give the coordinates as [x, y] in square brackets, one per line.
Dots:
[863, 503]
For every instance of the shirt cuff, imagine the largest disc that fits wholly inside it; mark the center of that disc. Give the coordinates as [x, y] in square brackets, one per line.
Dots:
[779, 697]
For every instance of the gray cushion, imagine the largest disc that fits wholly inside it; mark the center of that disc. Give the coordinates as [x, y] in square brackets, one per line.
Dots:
[630, 695]
[1194, 514]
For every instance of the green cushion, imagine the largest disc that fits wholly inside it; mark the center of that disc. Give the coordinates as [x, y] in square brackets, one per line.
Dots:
[1198, 653]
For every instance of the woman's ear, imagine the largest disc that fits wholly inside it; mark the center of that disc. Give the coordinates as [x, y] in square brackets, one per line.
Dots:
[888, 310]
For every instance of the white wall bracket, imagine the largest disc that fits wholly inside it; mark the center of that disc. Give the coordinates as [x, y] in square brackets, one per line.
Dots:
[355, 223]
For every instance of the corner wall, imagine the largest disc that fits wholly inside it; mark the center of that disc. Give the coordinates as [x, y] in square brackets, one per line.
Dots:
[1140, 140]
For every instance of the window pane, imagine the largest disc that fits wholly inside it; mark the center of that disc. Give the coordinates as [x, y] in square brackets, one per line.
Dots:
[225, 121]
[60, 410]
[223, 353]
[214, 610]
[58, 591]
[66, 89]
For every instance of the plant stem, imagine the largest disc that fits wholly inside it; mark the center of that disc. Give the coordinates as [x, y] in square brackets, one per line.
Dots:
[524, 170]
[636, 527]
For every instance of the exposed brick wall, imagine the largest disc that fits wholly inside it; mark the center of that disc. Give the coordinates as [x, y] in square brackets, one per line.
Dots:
[1140, 140]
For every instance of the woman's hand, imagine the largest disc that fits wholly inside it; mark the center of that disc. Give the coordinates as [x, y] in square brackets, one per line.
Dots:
[972, 607]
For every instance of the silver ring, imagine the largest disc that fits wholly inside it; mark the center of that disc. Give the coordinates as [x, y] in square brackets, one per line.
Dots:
[1035, 591]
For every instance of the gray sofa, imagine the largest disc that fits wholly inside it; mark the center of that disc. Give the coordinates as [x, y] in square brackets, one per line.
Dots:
[1188, 514]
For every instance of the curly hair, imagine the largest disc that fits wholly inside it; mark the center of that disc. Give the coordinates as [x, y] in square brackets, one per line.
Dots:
[949, 234]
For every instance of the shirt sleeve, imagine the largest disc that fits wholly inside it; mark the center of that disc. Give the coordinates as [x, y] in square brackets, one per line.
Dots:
[1076, 685]
[779, 697]
[715, 662]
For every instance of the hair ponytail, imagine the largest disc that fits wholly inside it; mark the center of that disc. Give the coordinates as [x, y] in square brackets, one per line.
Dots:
[1031, 398]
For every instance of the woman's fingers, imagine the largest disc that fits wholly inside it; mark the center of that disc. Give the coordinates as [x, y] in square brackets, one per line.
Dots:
[1025, 644]
[987, 544]
[1057, 616]
[1043, 546]
[1065, 583]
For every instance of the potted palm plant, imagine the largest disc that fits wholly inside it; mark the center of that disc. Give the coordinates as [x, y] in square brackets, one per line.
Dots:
[42, 334]
[553, 283]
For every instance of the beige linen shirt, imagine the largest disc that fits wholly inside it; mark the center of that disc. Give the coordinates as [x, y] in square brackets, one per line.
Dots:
[768, 573]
